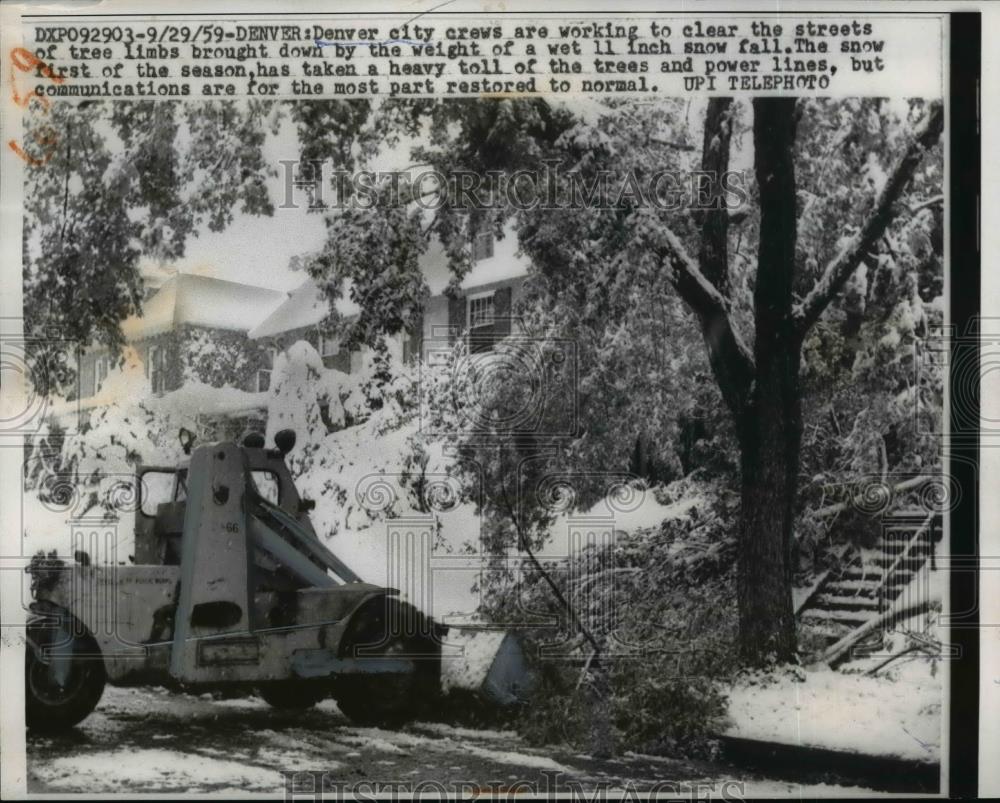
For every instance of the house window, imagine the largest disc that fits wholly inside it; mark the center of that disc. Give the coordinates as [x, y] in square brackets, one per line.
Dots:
[155, 368]
[329, 346]
[100, 372]
[264, 374]
[357, 361]
[481, 322]
[482, 245]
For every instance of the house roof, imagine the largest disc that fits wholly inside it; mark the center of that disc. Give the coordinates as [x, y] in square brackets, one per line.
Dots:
[505, 264]
[189, 298]
[304, 307]
[307, 306]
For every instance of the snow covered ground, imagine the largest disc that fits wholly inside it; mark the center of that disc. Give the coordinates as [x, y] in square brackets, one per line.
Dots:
[143, 741]
[896, 714]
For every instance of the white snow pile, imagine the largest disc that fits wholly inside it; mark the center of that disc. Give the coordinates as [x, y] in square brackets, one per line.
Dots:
[896, 715]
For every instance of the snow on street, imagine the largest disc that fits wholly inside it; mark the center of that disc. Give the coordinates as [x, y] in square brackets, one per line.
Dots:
[152, 741]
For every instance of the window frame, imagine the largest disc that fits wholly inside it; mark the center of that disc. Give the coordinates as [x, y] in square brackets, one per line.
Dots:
[471, 297]
[323, 340]
[271, 353]
[481, 236]
[476, 334]
[178, 491]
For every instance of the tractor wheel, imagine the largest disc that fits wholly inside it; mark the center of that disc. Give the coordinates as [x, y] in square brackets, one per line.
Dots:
[389, 700]
[63, 672]
[291, 695]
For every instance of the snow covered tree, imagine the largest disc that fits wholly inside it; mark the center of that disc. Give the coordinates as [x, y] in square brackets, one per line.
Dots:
[839, 190]
[754, 309]
[119, 181]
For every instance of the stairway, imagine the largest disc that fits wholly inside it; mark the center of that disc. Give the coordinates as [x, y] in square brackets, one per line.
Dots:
[898, 564]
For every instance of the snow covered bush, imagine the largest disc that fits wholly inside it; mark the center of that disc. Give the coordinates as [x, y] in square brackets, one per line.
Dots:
[365, 473]
[130, 427]
[92, 472]
[219, 357]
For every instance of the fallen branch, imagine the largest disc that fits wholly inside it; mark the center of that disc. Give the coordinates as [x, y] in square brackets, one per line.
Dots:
[833, 654]
[937, 199]
[840, 507]
[891, 658]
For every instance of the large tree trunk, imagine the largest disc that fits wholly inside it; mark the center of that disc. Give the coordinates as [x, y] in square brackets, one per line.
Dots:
[769, 446]
[771, 427]
[762, 389]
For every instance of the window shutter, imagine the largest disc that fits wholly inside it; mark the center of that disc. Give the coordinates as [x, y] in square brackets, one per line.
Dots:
[456, 317]
[502, 311]
[412, 340]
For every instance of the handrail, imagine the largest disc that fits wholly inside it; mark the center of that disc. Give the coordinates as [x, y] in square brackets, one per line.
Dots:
[928, 522]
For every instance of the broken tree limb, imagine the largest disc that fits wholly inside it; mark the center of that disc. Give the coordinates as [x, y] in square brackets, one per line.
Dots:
[909, 650]
[731, 359]
[895, 614]
[936, 200]
[840, 507]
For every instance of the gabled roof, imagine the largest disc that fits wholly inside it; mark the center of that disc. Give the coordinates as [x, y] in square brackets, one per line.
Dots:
[188, 298]
[307, 307]
[304, 307]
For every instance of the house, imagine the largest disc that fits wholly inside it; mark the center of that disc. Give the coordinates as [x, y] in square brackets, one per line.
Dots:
[481, 310]
[192, 328]
[225, 333]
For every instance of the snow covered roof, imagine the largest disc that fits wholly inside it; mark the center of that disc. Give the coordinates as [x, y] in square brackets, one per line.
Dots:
[304, 307]
[204, 301]
[505, 264]
[307, 307]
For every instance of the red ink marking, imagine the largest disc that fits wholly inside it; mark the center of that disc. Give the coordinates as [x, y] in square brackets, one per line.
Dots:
[31, 62]
[25, 61]
[34, 162]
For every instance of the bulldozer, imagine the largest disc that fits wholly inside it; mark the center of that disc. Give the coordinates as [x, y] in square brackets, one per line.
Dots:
[232, 590]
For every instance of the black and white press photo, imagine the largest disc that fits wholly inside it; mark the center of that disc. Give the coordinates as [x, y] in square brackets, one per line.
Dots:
[477, 403]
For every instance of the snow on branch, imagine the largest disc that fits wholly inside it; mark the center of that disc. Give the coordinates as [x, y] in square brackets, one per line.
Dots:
[729, 356]
[847, 261]
[700, 294]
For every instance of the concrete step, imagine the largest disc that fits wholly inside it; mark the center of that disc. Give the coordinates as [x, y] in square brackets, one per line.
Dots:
[827, 629]
[850, 618]
[863, 588]
[897, 546]
[875, 573]
[910, 562]
[846, 602]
